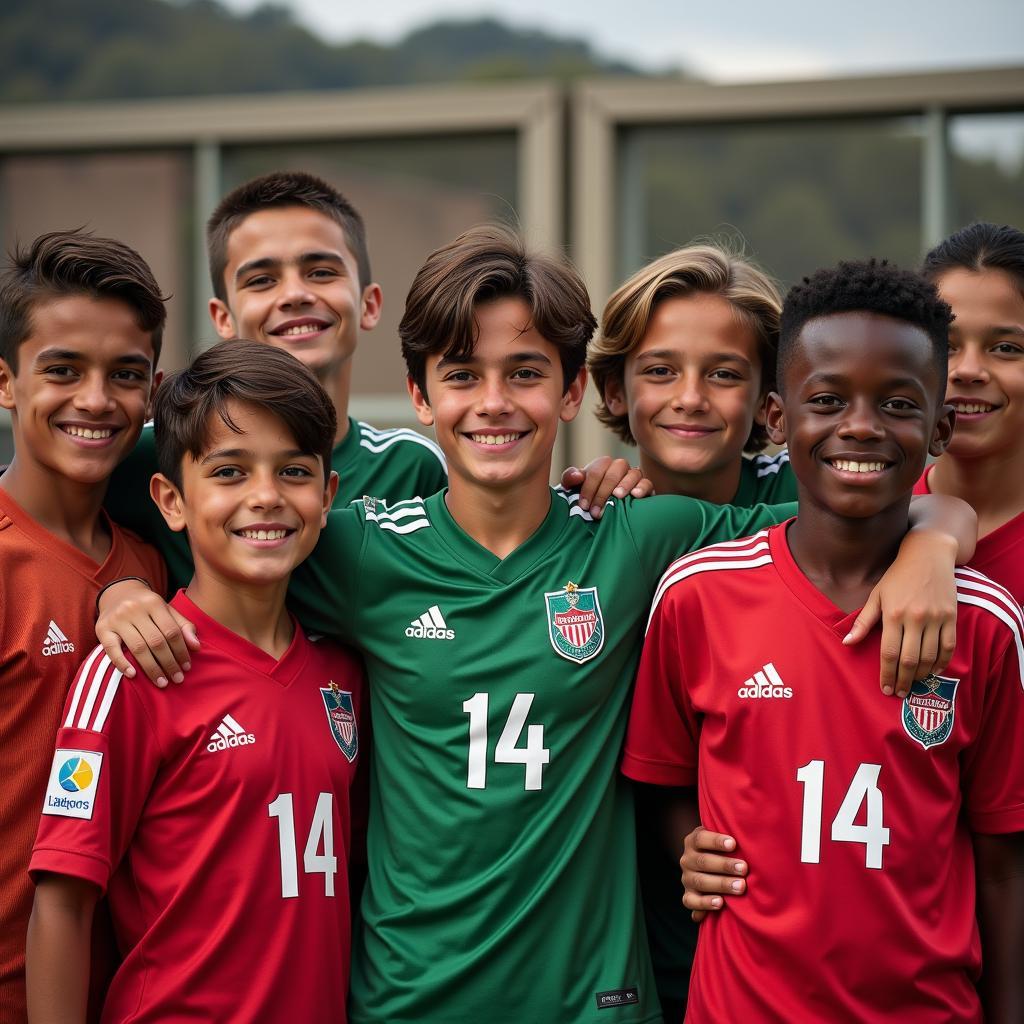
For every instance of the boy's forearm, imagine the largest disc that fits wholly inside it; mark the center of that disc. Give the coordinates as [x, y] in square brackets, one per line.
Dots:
[943, 514]
[1000, 868]
[57, 985]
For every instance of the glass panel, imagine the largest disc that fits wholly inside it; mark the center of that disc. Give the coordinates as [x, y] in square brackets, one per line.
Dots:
[801, 195]
[142, 198]
[414, 195]
[987, 172]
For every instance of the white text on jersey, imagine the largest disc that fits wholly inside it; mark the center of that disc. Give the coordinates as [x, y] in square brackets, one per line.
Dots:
[765, 683]
[430, 626]
[56, 642]
[229, 734]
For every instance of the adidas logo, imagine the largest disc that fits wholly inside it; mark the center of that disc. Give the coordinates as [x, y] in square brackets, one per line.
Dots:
[56, 642]
[430, 626]
[766, 683]
[229, 734]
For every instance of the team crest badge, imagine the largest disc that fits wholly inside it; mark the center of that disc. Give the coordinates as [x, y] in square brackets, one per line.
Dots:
[575, 625]
[929, 708]
[341, 717]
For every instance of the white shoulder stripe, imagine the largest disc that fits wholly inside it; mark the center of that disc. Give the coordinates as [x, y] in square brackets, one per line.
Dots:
[755, 542]
[769, 464]
[411, 527]
[103, 681]
[983, 585]
[1000, 612]
[716, 565]
[83, 675]
[393, 513]
[108, 698]
[379, 440]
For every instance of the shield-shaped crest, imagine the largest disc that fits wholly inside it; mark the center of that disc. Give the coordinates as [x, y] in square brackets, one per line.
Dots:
[928, 710]
[341, 717]
[575, 625]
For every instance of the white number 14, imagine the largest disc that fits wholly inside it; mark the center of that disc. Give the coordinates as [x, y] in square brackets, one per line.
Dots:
[533, 756]
[863, 789]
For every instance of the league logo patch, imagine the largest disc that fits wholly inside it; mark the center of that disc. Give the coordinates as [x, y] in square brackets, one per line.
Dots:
[928, 710]
[575, 625]
[74, 778]
[341, 717]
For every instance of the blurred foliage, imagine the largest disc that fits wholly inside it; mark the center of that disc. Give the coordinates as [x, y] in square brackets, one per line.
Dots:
[796, 196]
[116, 49]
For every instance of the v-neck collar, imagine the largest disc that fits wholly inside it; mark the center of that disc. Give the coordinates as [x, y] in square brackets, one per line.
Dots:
[66, 552]
[211, 632]
[829, 614]
[486, 563]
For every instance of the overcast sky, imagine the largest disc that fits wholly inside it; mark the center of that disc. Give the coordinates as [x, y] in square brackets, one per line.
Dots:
[723, 41]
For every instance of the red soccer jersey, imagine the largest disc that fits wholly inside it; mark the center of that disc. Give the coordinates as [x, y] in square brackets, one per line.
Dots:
[47, 615]
[1000, 554]
[854, 809]
[216, 815]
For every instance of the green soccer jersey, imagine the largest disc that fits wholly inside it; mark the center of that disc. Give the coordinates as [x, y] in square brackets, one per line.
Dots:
[670, 931]
[395, 464]
[502, 866]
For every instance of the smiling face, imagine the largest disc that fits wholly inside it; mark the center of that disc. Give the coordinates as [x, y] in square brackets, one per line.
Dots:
[84, 379]
[986, 361]
[691, 390]
[292, 282]
[253, 503]
[860, 412]
[496, 412]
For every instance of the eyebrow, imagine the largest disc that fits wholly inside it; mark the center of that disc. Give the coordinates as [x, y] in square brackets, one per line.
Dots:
[514, 359]
[713, 357]
[241, 453]
[270, 262]
[70, 355]
[838, 379]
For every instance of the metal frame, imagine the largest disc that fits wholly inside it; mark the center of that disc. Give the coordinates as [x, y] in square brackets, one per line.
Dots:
[601, 107]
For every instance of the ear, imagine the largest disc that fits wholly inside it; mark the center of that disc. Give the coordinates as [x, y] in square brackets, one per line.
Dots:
[419, 403]
[573, 397]
[775, 418]
[169, 500]
[615, 397]
[223, 321]
[943, 432]
[372, 305]
[6, 385]
[329, 493]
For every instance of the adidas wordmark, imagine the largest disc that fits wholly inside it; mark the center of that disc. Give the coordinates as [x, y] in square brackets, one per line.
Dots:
[765, 683]
[430, 626]
[229, 734]
[56, 642]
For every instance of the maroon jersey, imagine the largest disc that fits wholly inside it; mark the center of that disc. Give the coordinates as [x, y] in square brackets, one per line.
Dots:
[216, 816]
[856, 810]
[999, 554]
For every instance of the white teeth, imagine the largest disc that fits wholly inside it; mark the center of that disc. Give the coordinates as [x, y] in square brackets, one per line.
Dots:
[303, 329]
[858, 467]
[263, 534]
[89, 435]
[969, 407]
[495, 438]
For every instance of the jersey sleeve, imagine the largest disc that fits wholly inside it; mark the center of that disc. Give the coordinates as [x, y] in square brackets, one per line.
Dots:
[106, 759]
[432, 475]
[993, 777]
[668, 526]
[664, 730]
[324, 591]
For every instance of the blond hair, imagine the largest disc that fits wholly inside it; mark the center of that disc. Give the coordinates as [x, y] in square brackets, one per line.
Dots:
[693, 270]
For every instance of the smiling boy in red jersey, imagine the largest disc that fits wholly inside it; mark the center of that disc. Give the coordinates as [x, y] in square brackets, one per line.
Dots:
[909, 787]
[80, 326]
[192, 808]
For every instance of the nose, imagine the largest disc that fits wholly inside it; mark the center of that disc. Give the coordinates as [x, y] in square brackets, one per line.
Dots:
[861, 422]
[295, 289]
[967, 366]
[93, 394]
[492, 398]
[689, 395]
[264, 490]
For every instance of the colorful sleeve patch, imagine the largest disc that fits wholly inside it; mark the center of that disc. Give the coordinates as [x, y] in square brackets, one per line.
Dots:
[74, 780]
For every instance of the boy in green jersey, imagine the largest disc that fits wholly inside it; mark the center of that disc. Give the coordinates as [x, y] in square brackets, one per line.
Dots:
[501, 627]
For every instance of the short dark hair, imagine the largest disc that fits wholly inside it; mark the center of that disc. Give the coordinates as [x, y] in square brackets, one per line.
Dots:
[483, 264]
[866, 286]
[977, 247]
[62, 263]
[247, 372]
[275, 191]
